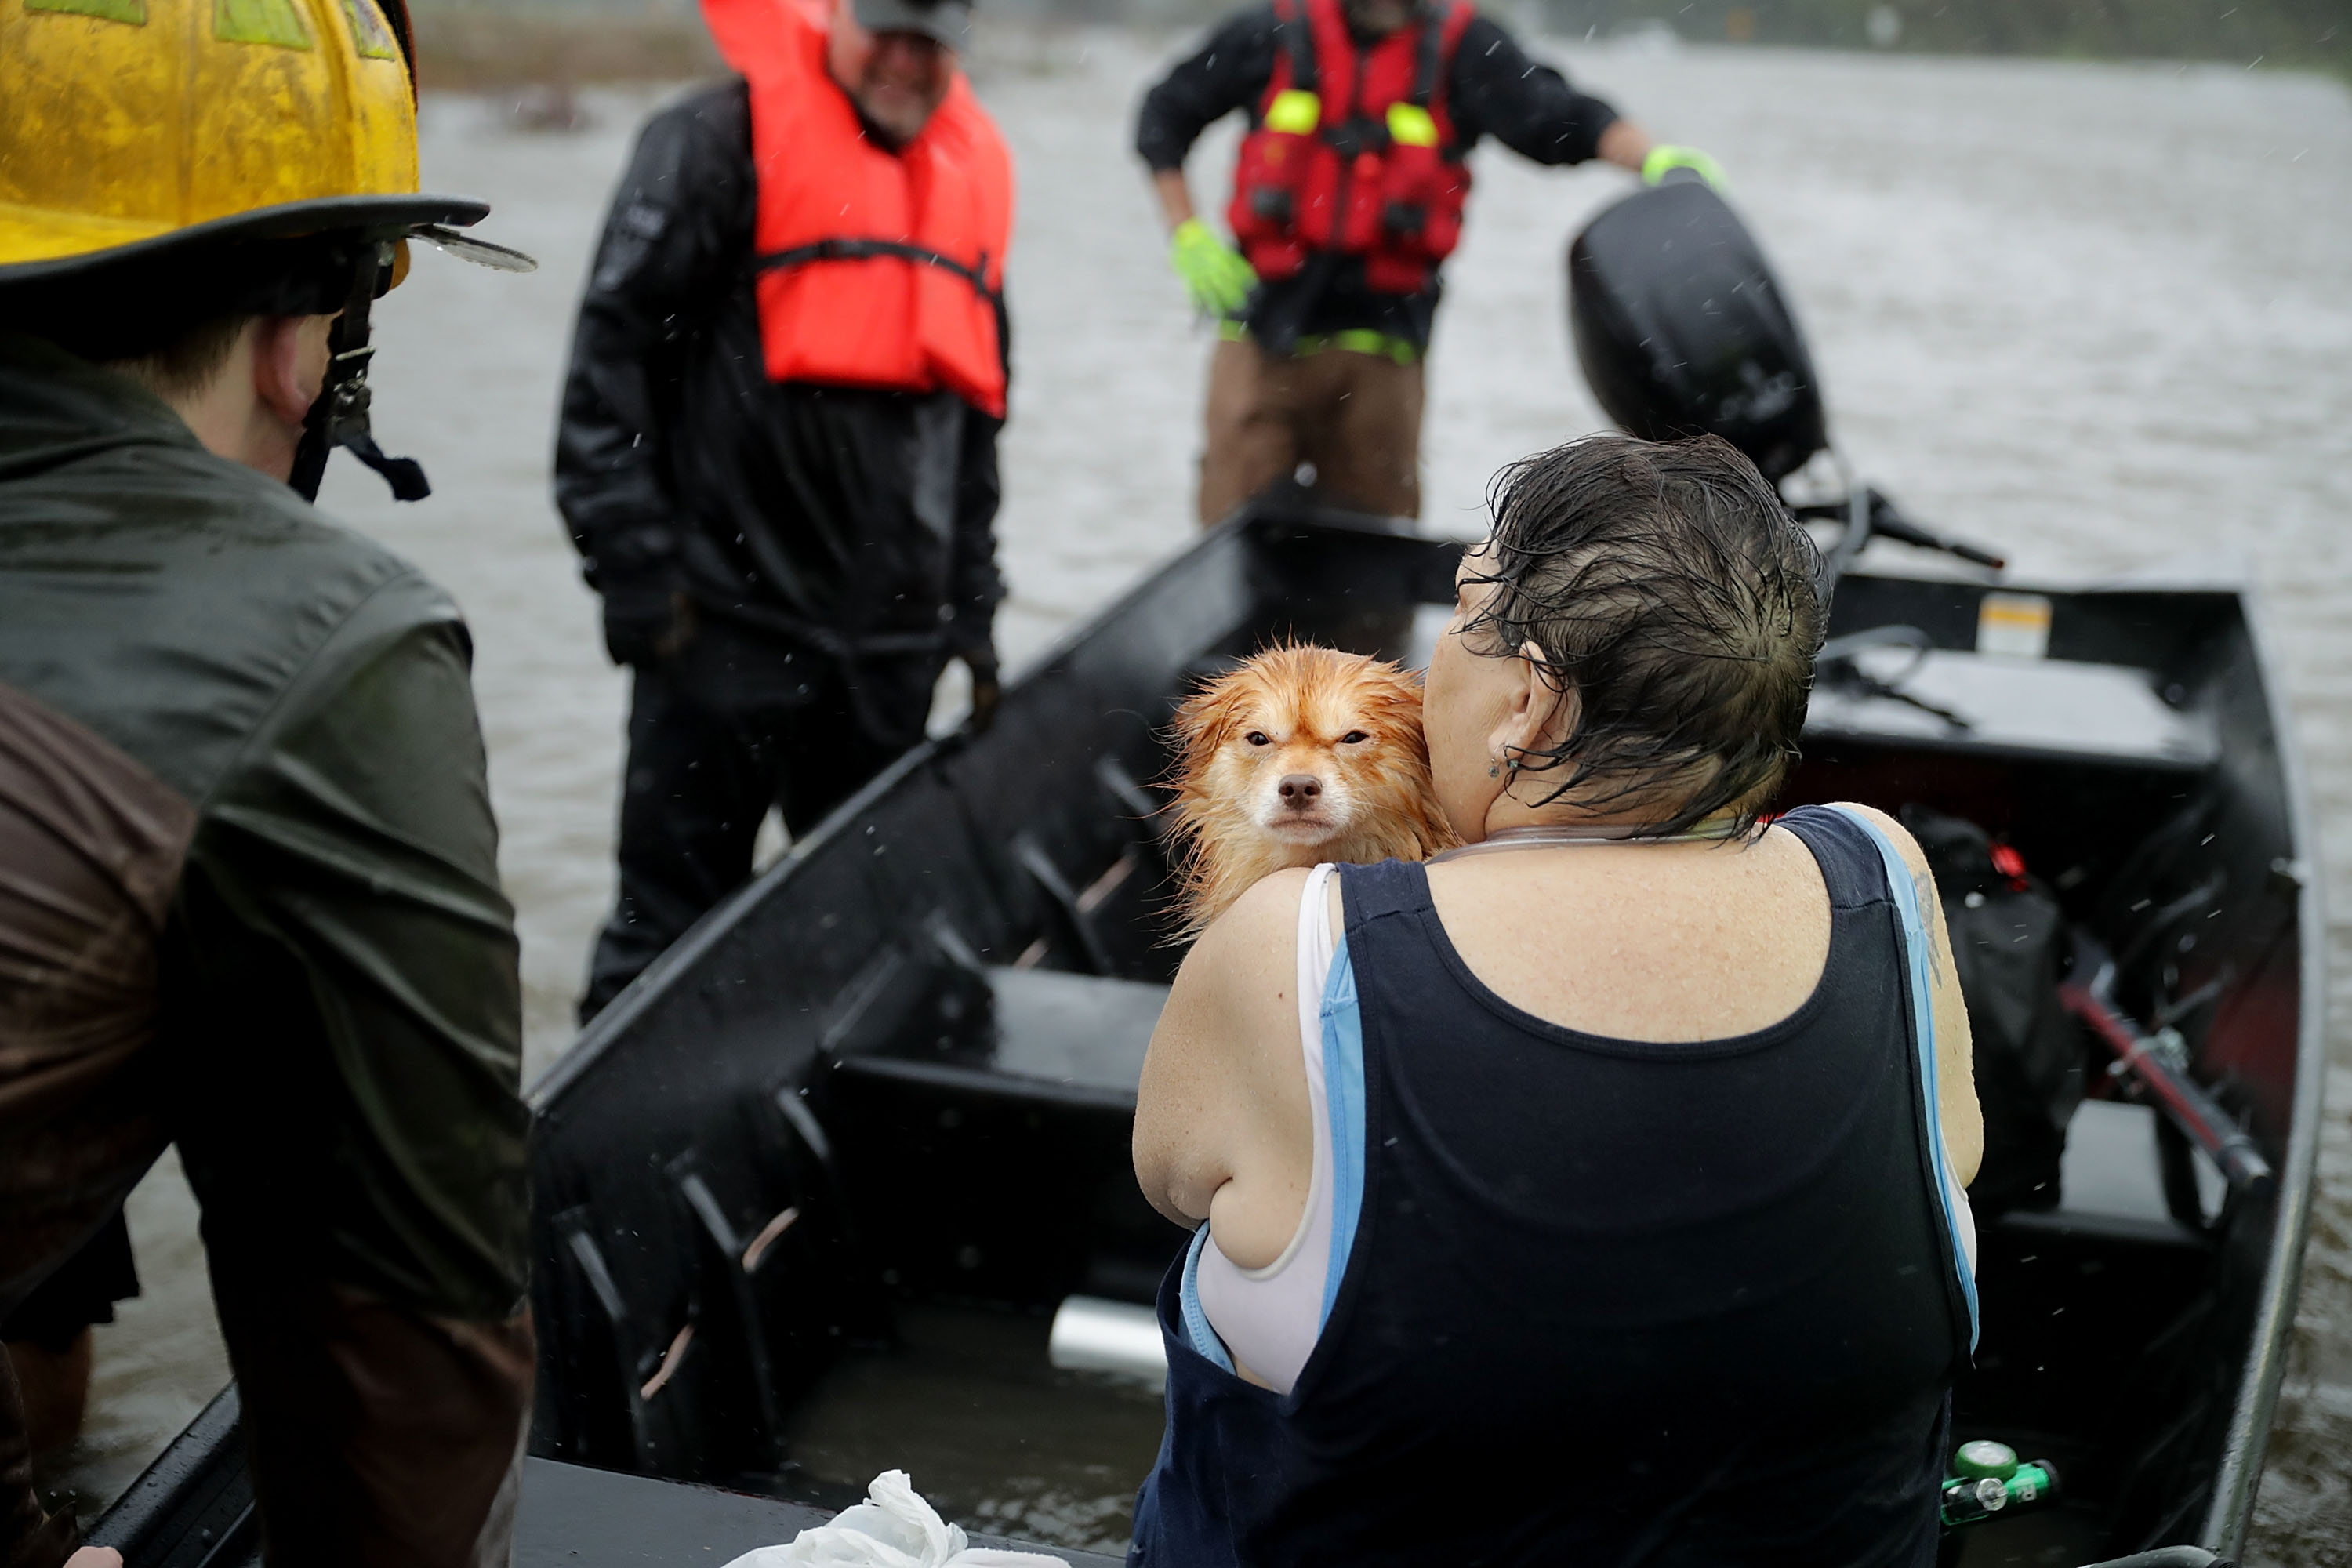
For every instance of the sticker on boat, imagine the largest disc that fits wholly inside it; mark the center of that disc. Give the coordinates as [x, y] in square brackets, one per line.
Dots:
[2013, 625]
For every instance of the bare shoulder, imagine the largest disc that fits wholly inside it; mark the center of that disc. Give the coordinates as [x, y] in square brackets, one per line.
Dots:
[1923, 876]
[1915, 856]
[1224, 1060]
[1956, 1095]
[1266, 914]
[1241, 963]
[1885, 822]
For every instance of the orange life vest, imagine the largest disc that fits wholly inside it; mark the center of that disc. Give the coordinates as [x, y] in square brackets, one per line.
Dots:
[1353, 150]
[875, 269]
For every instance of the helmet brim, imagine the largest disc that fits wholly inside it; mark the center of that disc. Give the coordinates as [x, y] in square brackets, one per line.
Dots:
[387, 215]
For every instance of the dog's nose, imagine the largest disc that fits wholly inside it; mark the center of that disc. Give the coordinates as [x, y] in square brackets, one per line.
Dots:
[1300, 791]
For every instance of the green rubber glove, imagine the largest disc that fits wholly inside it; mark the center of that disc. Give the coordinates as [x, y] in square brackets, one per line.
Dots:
[1663, 158]
[1220, 281]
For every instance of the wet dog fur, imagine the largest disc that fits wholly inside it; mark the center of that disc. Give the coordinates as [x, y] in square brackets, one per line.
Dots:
[1300, 755]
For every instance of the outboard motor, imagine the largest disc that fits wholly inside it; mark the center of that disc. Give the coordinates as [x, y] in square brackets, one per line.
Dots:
[1682, 330]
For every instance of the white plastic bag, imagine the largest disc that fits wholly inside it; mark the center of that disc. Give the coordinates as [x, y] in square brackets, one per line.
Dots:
[893, 1528]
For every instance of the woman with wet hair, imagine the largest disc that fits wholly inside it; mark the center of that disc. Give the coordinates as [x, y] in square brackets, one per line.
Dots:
[1593, 1192]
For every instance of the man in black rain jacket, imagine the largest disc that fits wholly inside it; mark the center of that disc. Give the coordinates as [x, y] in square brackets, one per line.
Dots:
[786, 568]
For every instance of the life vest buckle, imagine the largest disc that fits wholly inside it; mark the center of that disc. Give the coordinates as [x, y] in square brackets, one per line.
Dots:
[1272, 204]
[1404, 219]
[1356, 137]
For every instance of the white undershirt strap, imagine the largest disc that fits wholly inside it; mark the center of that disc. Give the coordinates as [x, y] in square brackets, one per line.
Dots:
[1270, 1318]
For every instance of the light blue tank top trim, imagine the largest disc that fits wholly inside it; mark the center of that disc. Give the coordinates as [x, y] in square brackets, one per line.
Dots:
[1343, 1087]
[1203, 1337]
[1918, 945]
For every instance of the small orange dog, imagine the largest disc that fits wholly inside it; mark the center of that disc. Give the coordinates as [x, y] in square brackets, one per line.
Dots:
[1302, 754]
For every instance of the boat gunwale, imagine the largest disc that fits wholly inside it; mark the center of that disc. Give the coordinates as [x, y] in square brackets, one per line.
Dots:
[2245, 1445]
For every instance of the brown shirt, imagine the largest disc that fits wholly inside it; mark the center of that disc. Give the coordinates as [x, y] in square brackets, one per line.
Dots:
[90, 849]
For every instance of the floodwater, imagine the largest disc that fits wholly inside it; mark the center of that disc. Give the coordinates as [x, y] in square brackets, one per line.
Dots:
[2097, 316]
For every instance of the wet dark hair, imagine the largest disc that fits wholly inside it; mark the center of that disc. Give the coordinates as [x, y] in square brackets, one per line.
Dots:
[1666, 582]
[184, 363]
[178, 311]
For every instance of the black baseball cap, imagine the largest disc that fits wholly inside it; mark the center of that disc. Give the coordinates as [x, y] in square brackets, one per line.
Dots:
[947, 21]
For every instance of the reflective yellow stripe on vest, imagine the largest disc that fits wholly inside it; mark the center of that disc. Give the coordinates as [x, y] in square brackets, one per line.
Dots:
[1295, 112]
[1411, 126]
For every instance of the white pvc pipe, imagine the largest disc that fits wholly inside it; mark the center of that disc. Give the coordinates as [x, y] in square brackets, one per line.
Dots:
[1091, 1334]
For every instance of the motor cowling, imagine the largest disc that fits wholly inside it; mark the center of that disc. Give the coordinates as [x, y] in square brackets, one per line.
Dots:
[1681, 329]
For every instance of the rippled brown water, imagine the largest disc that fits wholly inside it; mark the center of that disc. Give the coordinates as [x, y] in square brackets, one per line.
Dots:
[2096, 315]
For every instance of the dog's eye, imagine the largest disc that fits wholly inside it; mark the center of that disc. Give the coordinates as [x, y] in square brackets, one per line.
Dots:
[1354, 738]
[1257, 738]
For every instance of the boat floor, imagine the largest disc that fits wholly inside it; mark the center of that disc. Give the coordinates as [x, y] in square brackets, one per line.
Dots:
[2060, 1538]
[999, 1440]
[994, 1436]
[572, 1516]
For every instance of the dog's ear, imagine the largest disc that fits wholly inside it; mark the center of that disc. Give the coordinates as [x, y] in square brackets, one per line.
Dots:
[1394, 697]
[1206, 719]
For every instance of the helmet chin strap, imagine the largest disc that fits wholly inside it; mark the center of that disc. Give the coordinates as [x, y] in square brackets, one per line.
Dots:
[340, 416]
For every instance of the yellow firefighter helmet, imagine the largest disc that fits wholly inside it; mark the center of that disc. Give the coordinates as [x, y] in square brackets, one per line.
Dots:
[131, 127]
[152, 150]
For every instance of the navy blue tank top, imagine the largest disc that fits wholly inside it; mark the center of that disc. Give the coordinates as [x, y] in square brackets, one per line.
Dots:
[1607, 1301]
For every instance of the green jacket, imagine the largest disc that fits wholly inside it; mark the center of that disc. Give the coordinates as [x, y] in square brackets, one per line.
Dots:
[256, 911]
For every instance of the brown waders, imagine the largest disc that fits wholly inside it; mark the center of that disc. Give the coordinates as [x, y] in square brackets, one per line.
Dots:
[1354, 414]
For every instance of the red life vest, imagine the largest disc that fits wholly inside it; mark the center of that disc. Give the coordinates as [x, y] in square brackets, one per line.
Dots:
[876, 269]
[1353, 150]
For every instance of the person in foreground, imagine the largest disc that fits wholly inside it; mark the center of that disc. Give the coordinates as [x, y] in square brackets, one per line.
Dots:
[248, 879]
[778, 447]
[1591, 1194]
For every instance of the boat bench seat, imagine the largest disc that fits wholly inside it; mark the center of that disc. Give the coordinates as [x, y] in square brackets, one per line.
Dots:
[2050, 708]
[2085, 1305]
[1060, 1038]
[988, 1155]
[1075, 1040]
[1034, 1088]
[2111, 1184]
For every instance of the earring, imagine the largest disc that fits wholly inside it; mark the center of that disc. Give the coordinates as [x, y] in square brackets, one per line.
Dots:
[1494, 770]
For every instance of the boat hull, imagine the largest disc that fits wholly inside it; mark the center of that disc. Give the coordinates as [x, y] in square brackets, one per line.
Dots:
[891, 1081]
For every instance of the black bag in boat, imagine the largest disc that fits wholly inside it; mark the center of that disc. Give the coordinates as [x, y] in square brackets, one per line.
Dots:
[1681, 329]
[2009, 943]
